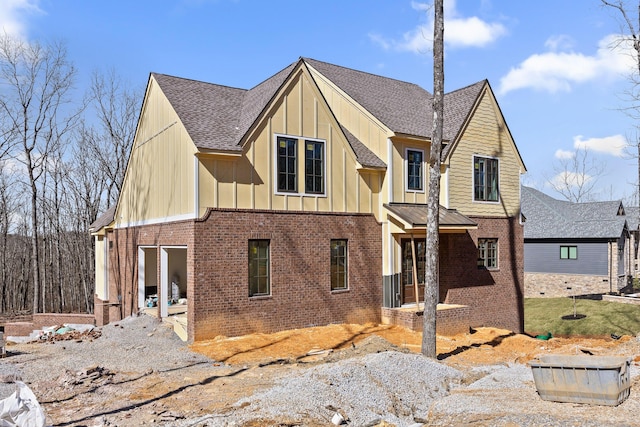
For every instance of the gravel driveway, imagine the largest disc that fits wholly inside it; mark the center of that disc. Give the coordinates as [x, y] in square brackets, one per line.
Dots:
[137, 372]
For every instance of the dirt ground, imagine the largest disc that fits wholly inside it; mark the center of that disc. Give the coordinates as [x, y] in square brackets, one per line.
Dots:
[480, 347]
[244, 365]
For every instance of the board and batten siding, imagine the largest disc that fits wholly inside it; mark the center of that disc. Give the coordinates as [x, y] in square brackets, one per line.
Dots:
[354, 117]
[545, 258]
[485, 135]
[249, 182]
[400, 173]
[159, 181]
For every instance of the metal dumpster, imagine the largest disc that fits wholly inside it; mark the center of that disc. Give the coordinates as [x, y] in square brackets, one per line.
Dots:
[597, 380]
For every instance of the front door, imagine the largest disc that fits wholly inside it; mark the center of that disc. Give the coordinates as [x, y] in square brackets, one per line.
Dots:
[408, 288]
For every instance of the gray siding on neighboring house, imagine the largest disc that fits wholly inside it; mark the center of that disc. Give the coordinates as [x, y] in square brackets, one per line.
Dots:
[545, 258]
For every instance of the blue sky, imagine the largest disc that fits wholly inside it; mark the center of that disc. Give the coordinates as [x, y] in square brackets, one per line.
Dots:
[558, 82]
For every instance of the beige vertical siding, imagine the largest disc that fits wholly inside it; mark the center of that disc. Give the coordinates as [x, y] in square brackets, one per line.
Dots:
[100, 266]
[399, 168]
[159, 182]
[485, 135]
[359, 122]
[249, 181]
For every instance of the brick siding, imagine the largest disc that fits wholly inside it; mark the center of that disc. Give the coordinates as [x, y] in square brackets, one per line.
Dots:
[450, 320]
[494, 297]
[301, 293]
[217, 270]
[41, 320]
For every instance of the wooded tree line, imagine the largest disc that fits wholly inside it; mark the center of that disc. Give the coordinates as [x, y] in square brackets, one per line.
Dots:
[62, 160]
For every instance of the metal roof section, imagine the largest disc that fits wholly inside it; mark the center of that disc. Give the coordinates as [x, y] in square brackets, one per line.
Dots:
[414, 217]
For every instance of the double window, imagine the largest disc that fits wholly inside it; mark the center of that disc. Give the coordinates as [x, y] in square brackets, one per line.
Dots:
[287, 165]
[568, 252]
[339, 265]
[415, 177]
[485, 179]
[488, 253]
[259, 280]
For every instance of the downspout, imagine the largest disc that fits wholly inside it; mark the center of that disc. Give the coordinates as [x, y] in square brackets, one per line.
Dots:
[610, 266]
[196, 186]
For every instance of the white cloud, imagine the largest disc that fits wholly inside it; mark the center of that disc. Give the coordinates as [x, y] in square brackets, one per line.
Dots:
[571, 179]
[559, 71]
[559, 42]
[471, 32]
[564, 154]
[12, 15]
[379, 40]
[459, 32]
[613, 145]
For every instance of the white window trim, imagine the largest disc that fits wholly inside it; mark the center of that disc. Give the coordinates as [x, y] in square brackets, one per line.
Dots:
[300, 171]
[497, 267]
[473, 183]
[406, 171]
[346, 256]
[270, 294]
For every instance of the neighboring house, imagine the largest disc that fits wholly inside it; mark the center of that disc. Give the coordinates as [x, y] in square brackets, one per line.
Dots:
[633, 223]
[296, 202]
[574, 248]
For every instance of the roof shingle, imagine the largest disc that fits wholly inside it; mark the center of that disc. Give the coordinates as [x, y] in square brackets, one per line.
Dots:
[549, 218]
[218, 117]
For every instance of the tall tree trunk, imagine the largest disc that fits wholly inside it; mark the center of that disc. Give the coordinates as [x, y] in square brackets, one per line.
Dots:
[35, 250]
[432, 274]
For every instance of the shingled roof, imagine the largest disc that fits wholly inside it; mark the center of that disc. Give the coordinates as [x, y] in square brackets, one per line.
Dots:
[103, 220]
[549, 218]
[218, 117]
[458, 106]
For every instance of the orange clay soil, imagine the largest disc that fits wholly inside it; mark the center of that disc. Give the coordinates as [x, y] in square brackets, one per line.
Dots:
[479, 347]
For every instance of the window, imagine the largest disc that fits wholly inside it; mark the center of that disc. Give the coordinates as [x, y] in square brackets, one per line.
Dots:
[485, 179]
[488, 253]
[338, 265]
[568, 252]
[414, 170]
[287, 164]
[259, 268]
[314, 167]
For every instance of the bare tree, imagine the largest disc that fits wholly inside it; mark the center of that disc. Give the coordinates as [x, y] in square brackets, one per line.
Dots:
[37, 81]
[575, 178]
[432, 276]
[116, 106]
[631, 28]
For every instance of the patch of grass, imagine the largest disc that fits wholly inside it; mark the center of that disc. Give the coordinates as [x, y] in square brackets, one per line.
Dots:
[603, 318]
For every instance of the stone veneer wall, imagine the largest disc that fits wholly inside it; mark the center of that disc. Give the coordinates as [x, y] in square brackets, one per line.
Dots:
[548, 285]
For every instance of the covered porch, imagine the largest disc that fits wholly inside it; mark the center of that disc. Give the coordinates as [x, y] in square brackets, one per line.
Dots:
[403, 293]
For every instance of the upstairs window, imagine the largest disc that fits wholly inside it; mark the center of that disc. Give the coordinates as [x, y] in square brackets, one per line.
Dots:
[485, 179]
[488, 253]
[287, 165]
[314, 167]
[414, 170]
[338, 265]
[568, 252]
